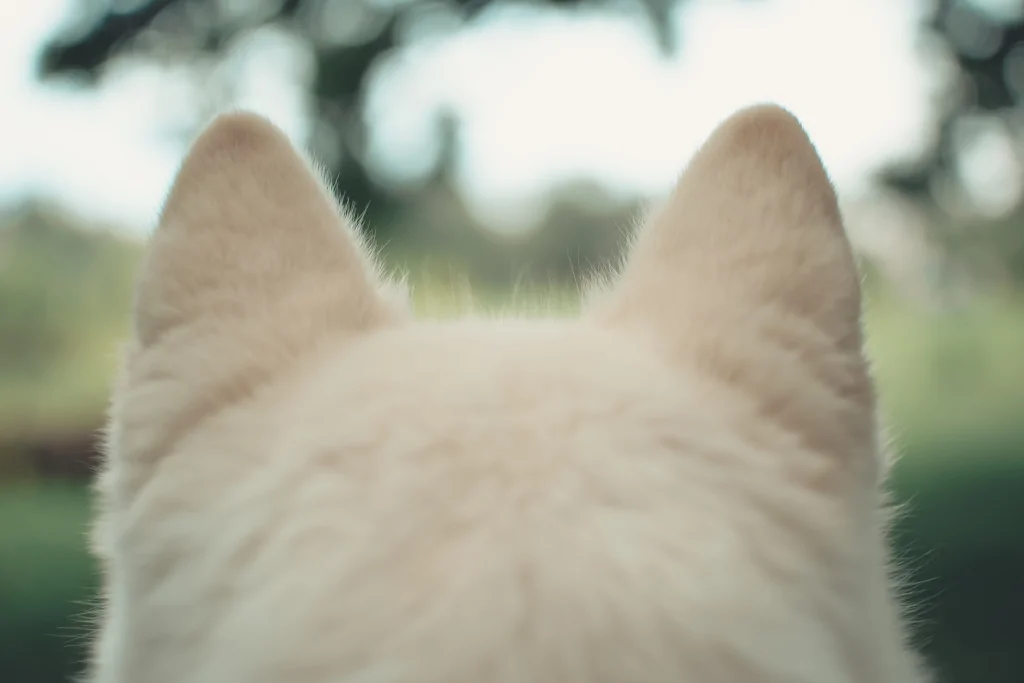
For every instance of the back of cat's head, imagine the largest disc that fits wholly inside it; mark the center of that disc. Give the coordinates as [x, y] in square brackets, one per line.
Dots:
[304, 483]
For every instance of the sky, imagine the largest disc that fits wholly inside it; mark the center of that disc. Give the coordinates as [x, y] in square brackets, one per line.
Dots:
[544, 97]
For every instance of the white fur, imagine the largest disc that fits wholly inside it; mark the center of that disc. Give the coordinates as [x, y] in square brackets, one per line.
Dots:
[304, 484]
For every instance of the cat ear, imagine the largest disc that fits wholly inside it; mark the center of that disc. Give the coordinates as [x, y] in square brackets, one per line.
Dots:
[746, 272]
[250, 236]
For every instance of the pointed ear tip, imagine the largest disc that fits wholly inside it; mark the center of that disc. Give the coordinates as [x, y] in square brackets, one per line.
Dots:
[768, 112]
[233, 142]
[764, 125]
[237, 131]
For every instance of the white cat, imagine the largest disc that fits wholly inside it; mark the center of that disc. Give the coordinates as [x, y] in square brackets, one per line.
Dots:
[303, 484]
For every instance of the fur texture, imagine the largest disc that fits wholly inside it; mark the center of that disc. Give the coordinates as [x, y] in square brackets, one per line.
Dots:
[304, 484]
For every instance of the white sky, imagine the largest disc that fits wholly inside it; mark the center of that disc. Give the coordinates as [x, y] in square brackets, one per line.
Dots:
[544, 97]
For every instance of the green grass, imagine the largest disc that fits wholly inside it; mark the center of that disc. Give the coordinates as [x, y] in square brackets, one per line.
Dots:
[47, 580]
[942, 376]
[963, 546]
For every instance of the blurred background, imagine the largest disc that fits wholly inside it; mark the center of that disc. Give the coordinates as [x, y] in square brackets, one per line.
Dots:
[503, 147]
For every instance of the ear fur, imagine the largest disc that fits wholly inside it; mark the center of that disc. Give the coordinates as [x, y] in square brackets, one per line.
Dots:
[246, 224]
[746, 272]
[250, 268]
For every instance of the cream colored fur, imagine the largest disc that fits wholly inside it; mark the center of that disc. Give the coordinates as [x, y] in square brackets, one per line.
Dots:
[303, 484]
